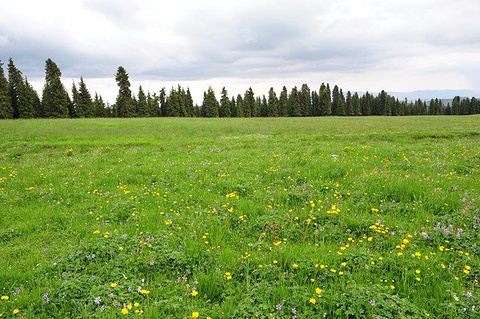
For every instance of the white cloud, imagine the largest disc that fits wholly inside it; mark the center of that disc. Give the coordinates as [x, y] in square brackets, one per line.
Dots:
[368, 45]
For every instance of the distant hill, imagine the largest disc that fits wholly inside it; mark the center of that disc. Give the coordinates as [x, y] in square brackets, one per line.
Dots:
[445, 95]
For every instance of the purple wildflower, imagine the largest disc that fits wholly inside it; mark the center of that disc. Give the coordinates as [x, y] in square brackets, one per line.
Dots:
[102, 308]
[46, 298]
[151, 262]
[17, 291]
[458, 232]
[469, 294]
[98, 300]
[278, 307]
[372, 303]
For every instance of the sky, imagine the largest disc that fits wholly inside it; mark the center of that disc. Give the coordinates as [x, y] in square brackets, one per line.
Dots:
[360, 45]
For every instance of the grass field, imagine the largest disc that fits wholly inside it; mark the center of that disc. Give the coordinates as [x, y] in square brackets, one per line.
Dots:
[372, 217]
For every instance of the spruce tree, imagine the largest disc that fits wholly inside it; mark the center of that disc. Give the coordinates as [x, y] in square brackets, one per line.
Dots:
[142, 105]
[124, 103]
[172, 103]
[384, 107]
[182, 109]
[85, 99]
[456, 105]
[163, 104]
[189, 104]
[33, 100]
[77, 111]
[349, 104]
[233, 107]
[272, 109]
[240, 108]
[283, 102]
[305, 102]
[6, 110]
[210, 103]
[249, 103]
[224, 110]
[294, 108]
[315, 103]
[22, 106]
[99, 106]
[325, 103]
[357, 110]
[263, 106]
[55, 99]
[336, 101]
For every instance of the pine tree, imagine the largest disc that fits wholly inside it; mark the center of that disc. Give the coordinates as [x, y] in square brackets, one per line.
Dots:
[99, 106]
[272, 108]
[142, 105]
[189, 104]
[384, 107]
[249, 103]
[305, 102]
[349, 104]
[55, 99]
[336, 101]
[315, 103]
[240, 108]
[33, 99]
[210, 103]
[124, 103]
[224, 110]
[233, 107]
[6, 110]
[294, 107]
[182, 109]
[85, 99]
[263, 107]
[456, 105]
[342, 106]
[366, 104]
[22, 106]
[172, 103]
[76, 108]
[357, 109]
[283, 102]
[163, 104]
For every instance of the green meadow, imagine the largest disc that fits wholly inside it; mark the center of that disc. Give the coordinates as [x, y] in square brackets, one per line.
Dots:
[371, 217]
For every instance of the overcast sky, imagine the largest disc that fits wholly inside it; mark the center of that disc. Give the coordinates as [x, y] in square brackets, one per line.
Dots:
[360, 45]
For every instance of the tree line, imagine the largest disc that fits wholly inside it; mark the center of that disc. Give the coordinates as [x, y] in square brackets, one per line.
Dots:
[18, 99]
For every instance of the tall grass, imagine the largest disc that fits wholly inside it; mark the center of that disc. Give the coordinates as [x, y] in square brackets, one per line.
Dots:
[372, 217]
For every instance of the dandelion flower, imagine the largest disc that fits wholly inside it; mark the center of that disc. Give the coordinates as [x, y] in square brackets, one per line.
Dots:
[113, 285]
[144, 291]
[318, 291]
[124, 311]
[4, 298]
[194, 293]
[312, 301]
[195, 314]
[15, 311]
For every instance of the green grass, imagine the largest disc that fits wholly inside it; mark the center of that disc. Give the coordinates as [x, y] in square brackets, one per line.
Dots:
[380, 213]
